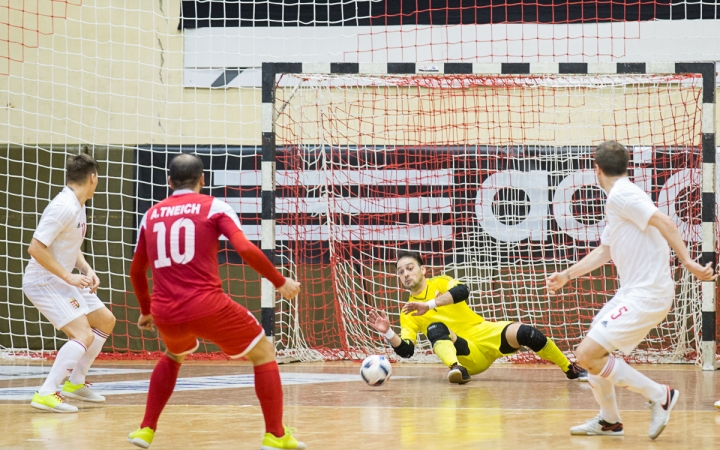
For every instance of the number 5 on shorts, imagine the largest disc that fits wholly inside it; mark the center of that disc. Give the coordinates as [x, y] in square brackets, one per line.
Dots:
[620, 310]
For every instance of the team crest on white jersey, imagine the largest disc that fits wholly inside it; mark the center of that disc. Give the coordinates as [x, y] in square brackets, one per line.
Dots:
[74, 303]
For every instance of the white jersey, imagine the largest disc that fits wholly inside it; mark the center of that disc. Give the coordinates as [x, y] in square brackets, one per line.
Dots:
[62, 229]
[640, 253]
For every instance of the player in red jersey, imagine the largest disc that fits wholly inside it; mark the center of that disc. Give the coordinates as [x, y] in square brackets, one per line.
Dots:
[178, 240]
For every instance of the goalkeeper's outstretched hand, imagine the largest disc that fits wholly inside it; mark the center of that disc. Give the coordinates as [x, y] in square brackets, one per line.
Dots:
[378, 320]
[416, 308]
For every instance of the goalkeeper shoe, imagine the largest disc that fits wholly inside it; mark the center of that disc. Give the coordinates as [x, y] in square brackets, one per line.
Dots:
[52, 402]
[272, 442]
[598, 427]
[142, 437]
[458, 374]
[81, 392]
[576, 372]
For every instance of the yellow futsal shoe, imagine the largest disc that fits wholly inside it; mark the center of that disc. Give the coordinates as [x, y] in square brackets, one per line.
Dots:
[81, 392]
[270, 442]
[142, 437]
[52, 402]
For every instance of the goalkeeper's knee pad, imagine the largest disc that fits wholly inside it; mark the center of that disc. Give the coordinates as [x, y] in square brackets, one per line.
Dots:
[461, 347]
[531, 338]
[438, 331]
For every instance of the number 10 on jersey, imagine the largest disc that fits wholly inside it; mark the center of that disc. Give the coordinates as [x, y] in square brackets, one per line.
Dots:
[189, 242]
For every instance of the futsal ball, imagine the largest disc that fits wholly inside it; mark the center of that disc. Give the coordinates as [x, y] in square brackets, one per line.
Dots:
[375, 370]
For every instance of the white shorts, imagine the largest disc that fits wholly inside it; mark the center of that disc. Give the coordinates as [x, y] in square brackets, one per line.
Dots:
[60, 302]
[625, 321]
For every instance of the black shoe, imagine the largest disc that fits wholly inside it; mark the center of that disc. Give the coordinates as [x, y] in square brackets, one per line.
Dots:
[458, 374]
[576, 372]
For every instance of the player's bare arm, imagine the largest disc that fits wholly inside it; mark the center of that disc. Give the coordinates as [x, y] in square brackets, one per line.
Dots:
[83, 266]
[379, 321]
[42, 255]
[669, 231]
[593, 260]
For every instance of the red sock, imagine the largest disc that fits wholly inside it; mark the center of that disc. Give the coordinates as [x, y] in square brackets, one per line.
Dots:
[162, 384]
[269, 391]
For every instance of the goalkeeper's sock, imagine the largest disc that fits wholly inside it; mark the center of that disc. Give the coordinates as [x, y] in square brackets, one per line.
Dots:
[552, 353]
[533, 339]
[445, 349]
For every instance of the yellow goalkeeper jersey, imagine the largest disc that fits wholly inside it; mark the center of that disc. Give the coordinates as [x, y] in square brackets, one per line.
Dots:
[458, 317]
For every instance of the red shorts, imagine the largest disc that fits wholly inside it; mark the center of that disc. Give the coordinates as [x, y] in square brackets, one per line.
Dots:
[232, 328]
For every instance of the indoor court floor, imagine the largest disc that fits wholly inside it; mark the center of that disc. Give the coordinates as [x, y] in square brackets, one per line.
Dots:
[511, 406]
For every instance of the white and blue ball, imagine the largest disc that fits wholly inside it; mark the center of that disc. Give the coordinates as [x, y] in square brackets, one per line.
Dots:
[375, 370]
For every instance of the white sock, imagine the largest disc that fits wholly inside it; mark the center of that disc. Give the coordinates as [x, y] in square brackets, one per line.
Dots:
[604, 392]
[65, 360]
[83, 365]
[621, 374]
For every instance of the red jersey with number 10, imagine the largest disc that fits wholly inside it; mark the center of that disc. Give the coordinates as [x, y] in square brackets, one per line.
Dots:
[180, 237]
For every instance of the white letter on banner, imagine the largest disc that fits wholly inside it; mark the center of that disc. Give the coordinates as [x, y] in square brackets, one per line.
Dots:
[679, 181]
[535, 185]
[562, 207]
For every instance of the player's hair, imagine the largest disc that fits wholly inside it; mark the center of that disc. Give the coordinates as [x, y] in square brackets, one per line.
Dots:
[612, 158]
[78, 168]
[185, 171]
[410, 254]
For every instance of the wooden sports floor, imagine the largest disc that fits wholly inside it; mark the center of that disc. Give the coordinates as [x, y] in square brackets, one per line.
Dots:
[519, 407]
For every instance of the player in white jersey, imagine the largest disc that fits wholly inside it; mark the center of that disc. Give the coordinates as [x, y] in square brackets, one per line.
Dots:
[636, 238]
[68, 300]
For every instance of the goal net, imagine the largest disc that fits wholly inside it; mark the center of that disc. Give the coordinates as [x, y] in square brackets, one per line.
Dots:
[491, 178]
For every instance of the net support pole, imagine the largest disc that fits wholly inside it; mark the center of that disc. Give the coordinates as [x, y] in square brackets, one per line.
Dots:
[267, 236]
[708, 254]
[268, 170]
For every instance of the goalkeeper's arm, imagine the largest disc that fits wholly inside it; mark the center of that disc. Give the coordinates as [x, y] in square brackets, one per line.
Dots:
[404, 348]
[456, 294]
[379, 321]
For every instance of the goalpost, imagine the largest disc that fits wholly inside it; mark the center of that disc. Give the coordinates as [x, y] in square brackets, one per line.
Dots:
[487, 170]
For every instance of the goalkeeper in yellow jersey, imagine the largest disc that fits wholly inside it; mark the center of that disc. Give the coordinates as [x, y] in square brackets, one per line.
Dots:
[464, 341]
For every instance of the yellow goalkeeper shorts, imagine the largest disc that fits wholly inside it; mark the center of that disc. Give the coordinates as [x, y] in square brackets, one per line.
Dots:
[484, 344]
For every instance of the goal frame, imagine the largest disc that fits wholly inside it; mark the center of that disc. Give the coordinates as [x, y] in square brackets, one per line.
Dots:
[271, 70]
